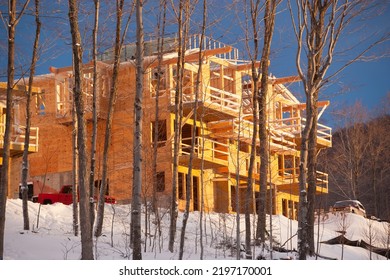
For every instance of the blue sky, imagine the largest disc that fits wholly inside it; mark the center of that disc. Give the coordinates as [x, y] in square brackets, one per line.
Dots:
[367, 82]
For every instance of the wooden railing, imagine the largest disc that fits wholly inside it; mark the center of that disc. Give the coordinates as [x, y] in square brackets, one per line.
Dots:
[18, 136]
[323, 132]
[293, 127]
[206, 148]
[291, 175]
[210, 44]
[222, 100]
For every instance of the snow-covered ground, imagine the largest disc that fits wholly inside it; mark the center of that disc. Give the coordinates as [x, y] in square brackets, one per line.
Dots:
[53, 239]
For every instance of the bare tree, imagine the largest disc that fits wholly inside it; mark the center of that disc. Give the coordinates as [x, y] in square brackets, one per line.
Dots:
[343, 225]
[13, 20]
[254, 16]
[318, 26]
[377, 156]
[177, 122]
[75, 205]
[94, 110]
[194, 128]
[161, 22]
[78, 96]
[260, 93]
[347, 168]
[357, 162]
[137, 147]
[269, 23]
[34, 58]
[111, 103]
[371, 234]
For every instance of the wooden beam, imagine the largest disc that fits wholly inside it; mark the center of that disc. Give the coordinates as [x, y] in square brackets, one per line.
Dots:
[245, 67]
[302, 106]
[194, 56]
[18, 88]
[285, 80]
[55, 70]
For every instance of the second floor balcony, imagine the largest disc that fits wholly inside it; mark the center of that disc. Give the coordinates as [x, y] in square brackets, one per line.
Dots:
[18, 133]
[288, 181]
[207, 153]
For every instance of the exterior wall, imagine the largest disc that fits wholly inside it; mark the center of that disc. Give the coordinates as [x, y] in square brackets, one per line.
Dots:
[219, 125]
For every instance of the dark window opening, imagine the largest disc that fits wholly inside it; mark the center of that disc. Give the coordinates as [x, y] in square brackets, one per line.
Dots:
[160, 177]
[161, 132]
[195, 181]
[186, 135]
[181, 185]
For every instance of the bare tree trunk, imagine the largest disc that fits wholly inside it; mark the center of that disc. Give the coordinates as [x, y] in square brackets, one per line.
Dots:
[189, 174]
[312, 178]
[303, 211]
[75, 203]
[202, 228]
[269, 22]
[13, 20]
[160, 48]
[94, 113]
[24, 188]
[321, 22]
[110, 113]
[86, 229]
[254, 11]
[137, 149]
[177, 130]
[238, 205]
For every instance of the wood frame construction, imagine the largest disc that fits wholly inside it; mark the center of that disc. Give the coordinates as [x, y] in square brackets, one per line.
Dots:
[224, 119]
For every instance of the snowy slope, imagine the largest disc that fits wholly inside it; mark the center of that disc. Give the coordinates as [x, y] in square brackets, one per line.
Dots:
[54, 240]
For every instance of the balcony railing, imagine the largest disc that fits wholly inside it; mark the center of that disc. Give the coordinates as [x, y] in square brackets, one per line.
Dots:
[290, 175]
[293, 127]
[210, 44]
[18, 137]
[207, 149]
[217, 99]
[324, 133]
[289, 127]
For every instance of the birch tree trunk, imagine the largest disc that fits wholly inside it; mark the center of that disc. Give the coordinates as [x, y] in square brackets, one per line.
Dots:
[177, 128]
[75, 204]
[85, 220]
[13, 20]
[137, 149]
[317, 26]
[312, 177]
[110, 113]
[269, 23]
[254, 11]
[94, 112]
[160, 49]
[24, 188]
[193, 136]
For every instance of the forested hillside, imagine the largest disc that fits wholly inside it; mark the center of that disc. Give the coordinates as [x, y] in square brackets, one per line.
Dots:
[358, 162]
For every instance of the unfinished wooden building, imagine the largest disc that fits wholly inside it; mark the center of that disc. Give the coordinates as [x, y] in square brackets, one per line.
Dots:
[223, 129]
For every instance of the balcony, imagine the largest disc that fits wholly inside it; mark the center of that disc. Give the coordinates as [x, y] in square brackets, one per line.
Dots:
[208, 153]
[288, 181]
[17, 139]
[243, 129]
[291, 128]
[215, 104]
